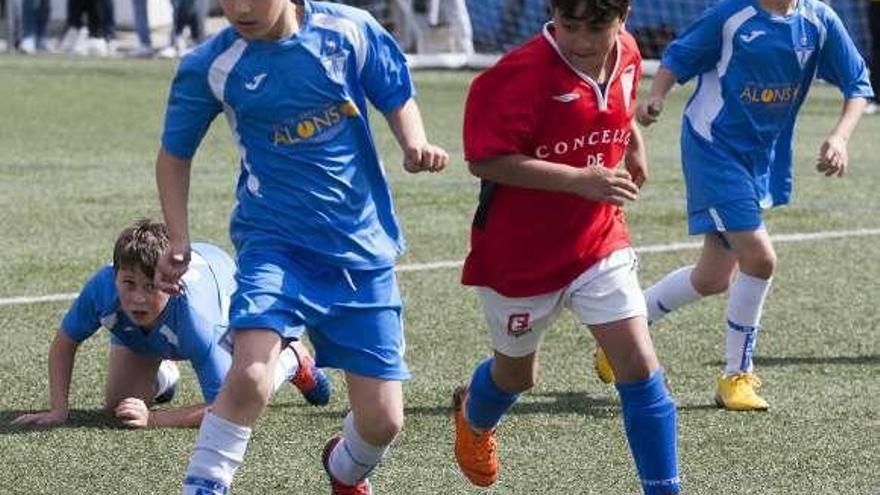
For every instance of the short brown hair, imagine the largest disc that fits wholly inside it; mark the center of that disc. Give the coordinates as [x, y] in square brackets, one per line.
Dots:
[594, 12]
[140, 245]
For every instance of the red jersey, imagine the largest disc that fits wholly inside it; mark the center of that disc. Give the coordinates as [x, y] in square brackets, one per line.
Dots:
[524, 241]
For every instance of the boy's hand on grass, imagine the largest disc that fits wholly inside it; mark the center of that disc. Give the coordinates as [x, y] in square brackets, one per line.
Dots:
[133, 413]
[42, 418]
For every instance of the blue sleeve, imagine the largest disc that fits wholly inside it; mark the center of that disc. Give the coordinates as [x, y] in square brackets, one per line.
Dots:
[83, 318]
[385, 76]
[840, 62]
[698, 49]
[211, 370]
[191, 108]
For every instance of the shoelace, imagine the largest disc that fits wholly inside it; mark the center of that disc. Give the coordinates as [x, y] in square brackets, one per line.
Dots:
[749, 379]
[479, 439]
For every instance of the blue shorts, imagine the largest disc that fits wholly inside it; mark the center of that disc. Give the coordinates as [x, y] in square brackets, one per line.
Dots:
[353, 317]
[735, 216]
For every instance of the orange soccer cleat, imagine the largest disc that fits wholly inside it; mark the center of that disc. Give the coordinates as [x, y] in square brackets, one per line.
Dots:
[476, 452]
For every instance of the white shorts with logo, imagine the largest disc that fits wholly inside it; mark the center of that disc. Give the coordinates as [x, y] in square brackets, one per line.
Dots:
[608, 291]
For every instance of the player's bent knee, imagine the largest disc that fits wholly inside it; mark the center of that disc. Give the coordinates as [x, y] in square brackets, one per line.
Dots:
[710, 286]
[251, 384]
[383, 429]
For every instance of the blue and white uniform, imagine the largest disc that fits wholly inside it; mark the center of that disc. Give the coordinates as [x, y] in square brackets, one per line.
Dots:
[314, 225]
[754, 70]
[189, 328]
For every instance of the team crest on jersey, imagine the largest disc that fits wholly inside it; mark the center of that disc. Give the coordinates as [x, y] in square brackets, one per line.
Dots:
[519, 324]
[803, 55]
[315, 126]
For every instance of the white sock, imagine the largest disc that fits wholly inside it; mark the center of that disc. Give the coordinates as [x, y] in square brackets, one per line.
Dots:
[670, 293]
[354, 458]
[218, 453]
[166, 377]
[287, 366]
[744, 307]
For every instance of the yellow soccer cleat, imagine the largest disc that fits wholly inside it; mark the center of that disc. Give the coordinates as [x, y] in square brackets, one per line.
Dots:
[603, 367]
[737, 393]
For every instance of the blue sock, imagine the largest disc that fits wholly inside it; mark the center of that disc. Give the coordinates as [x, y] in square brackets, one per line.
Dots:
[649, 418]
[486, 403]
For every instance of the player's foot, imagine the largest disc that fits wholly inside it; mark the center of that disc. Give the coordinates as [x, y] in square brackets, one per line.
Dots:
[336, 487]
[167, 377]
[603, 367]
[476, 452]
[737, 393]
[311, 381]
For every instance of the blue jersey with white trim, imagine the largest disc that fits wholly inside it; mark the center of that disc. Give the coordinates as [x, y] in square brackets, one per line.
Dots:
[311, 177]
[754, 70]
[189, 328]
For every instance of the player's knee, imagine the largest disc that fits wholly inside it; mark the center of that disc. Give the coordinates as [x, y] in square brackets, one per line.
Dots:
[251, 384]
[761, 265]
[711, 285]
[383, 428]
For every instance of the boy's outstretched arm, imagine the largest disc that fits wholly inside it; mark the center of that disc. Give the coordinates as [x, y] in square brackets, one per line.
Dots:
[134, 413]
[419, 155]
[62, 353]
[833, 158]
[649, 111]
[172, 180]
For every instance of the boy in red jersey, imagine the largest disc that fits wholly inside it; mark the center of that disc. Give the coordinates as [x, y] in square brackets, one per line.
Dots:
[545, 130]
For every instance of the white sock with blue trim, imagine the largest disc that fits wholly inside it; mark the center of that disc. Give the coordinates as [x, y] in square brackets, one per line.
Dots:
[218, 453]
[744, 307]
[670, 293]
[354, 458]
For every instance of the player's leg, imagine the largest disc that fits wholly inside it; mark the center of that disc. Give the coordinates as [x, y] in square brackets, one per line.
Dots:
[226, 428]
[609, 300]
[711, 275]
[261, 317]
[130, 375]
[516, 326]
[757, 262]
[363, 335]
[375, 419]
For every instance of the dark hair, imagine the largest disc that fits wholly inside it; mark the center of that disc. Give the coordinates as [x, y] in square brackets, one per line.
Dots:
[594, 12]
[140, 245]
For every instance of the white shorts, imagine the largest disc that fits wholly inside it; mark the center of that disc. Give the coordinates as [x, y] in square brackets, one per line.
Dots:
[608, 291]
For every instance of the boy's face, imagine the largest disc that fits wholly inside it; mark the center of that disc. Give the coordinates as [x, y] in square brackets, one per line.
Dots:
[142, 301]
[255, 19]
[582, 43]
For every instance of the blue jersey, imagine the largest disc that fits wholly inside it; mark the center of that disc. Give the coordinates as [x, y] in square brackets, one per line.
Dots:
[311, 177]
[754, 71]
[189, 328]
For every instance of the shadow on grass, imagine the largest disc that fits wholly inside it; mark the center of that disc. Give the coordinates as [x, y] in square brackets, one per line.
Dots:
[531, 403]
[78, 418]
[801, 360]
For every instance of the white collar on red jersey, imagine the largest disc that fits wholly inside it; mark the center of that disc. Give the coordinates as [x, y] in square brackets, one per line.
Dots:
[601, 97]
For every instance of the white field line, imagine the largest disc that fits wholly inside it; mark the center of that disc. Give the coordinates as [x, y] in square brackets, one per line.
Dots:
[442, 265]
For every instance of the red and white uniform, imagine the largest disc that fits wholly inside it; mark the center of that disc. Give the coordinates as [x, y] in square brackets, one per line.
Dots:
[526, 242]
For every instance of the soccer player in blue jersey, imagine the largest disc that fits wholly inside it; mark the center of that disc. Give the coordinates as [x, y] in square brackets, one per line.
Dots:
[314, 227]
[755, 61]
[151, 330]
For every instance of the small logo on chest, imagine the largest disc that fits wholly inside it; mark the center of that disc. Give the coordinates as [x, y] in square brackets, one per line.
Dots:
[567, 97]
[255, 83]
